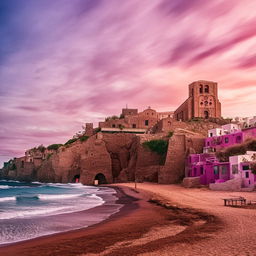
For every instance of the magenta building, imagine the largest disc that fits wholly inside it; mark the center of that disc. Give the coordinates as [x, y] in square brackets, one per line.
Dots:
[207, 166]
[212, 144]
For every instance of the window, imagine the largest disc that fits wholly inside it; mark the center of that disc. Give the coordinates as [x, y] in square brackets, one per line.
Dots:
[226, 140]
[134, 126]
[235, 168]
[113, 125]
[247, 175]
[211, 134]
[245, 167]
[206, 89]
[224, 169]
[238, 139]
[22, 164]
[146, 122]
[208, 143]
[202, 170]
[201, 88]
[216, 170]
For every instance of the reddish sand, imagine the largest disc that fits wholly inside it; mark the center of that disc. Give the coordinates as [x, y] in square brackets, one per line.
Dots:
[177, 221]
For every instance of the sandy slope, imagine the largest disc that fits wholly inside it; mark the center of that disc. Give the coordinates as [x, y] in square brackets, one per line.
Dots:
[238, 235]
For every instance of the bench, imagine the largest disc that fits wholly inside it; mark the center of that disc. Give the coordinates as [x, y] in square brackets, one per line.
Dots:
[234, 201]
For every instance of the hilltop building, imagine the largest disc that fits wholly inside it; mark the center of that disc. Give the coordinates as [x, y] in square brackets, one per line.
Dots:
[202, 102]
[131, 120]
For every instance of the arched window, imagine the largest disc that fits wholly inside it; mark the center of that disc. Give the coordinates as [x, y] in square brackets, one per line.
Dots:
[201, 88]
[206, 89]
[206, 114]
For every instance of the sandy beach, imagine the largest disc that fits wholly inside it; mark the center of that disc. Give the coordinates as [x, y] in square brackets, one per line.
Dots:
[158, 220]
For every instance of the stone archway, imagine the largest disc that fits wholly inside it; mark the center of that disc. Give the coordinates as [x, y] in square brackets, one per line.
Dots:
[76, 178]
[101, 178]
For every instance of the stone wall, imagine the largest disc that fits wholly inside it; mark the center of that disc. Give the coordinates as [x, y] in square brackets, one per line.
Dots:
[180, 145]
[120, 157]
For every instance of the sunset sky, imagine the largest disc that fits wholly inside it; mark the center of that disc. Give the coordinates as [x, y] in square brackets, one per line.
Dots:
[67, 62]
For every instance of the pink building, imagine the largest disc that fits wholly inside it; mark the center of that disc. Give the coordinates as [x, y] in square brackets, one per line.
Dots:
[240, 167]
[214, 143]
[208, 168]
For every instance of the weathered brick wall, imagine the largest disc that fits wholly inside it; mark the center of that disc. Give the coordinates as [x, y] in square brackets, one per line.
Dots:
[173, 170]
[179, 147]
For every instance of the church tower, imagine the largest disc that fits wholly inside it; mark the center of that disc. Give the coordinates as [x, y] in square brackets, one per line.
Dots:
[202, 102]
[204, 97]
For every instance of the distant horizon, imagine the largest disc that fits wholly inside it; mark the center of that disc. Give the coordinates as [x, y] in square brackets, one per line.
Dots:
[64, 63]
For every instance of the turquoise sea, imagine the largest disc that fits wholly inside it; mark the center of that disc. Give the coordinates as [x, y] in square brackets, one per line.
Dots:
[30, 210]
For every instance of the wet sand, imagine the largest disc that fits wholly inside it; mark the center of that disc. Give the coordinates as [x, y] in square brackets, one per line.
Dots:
[158, 220]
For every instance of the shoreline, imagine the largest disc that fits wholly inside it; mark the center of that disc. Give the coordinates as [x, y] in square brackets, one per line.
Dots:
[77, 220]
[127, 203]
[145, 222]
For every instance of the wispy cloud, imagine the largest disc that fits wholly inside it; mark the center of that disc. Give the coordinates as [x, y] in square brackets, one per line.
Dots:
[66, 62]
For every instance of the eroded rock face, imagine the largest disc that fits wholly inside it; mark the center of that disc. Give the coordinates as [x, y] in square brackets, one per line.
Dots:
[118, 157]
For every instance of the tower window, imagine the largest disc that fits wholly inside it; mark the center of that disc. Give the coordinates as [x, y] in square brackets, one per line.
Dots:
[146, 122]
[201, 88]
[206, 89]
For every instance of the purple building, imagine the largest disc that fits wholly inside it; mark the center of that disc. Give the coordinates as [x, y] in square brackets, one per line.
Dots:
[207, 166]
[215, 143]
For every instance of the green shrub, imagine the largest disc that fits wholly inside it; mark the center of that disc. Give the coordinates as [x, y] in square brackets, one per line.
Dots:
[83, 138]
[41, 148]
[235, 150]
[111, 118]
[54, 146]
[158, 146]
[170, 134]
[13, 167]
[49, 155]
[97, 130]
[197, 119]
[71, 141]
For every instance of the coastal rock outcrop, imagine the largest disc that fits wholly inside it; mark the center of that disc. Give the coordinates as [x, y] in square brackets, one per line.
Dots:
[114, 157]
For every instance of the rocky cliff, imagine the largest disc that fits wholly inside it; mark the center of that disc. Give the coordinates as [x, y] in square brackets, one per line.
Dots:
[118, 157]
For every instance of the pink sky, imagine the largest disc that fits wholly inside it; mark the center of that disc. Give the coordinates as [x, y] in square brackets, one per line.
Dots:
[64, 63]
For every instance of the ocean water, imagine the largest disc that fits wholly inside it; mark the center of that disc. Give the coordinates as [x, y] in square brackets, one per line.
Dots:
[30, 210]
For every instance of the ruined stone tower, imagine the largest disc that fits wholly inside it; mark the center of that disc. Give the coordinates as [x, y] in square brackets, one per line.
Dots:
[202, 102]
